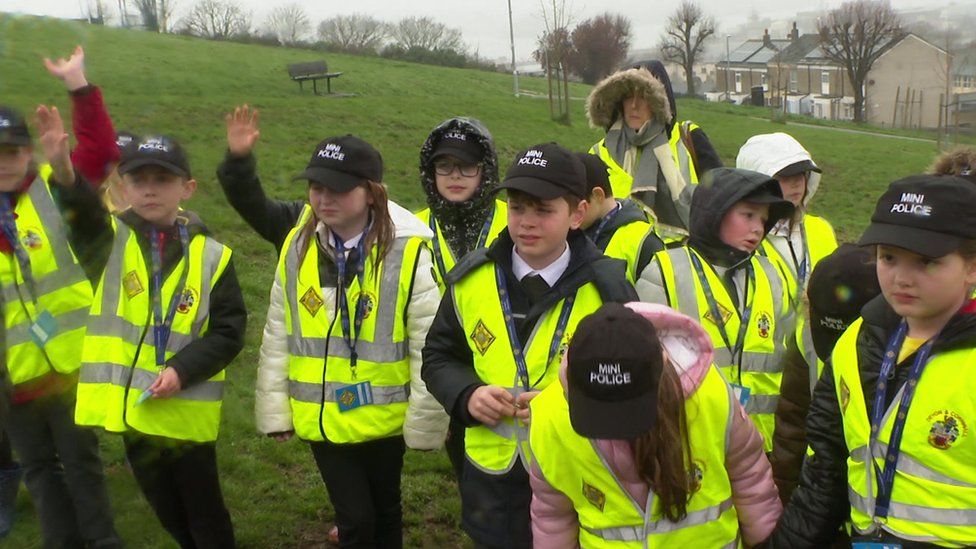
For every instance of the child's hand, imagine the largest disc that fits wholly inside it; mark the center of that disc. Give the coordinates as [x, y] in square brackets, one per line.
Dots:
[70, 71]
[242, 130]
[167, 384]
[522, 405]
[54, 141]
[490, 403]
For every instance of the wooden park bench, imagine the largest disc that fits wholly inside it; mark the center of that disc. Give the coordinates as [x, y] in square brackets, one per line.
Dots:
[314, 71]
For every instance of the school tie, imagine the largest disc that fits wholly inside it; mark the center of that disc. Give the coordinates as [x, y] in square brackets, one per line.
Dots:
[535, 286]
[352, 266]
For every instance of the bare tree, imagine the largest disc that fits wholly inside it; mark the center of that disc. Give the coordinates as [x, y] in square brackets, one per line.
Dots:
[854, 36]
[425, 33]
[357, 32]
[97, 11]
[289, 23]
[684, 38]
[156, 14]
[554, 50]
[217, 20]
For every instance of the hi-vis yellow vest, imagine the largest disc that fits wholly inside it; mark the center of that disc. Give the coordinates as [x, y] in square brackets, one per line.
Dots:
[119, 356]
[315, 342]
[621, 182]
[626, 244]
[934, 493]
[63, 290]
[770, 323]
[608, 515]
[495, 449]
[499, 221]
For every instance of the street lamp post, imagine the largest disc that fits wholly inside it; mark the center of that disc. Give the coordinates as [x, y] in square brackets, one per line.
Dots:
[728, 96]
[511, 36]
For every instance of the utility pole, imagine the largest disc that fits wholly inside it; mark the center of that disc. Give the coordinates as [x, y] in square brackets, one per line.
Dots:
[728, 97]
[511, 37]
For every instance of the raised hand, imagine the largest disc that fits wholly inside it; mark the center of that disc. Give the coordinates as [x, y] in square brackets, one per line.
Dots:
[71, 71]
[242, 130]
[54, 142]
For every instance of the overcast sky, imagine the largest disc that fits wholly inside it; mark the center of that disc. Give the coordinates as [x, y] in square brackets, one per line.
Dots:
[484, 23]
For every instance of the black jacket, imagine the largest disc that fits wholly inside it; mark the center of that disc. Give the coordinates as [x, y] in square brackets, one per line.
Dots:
[820, 504]
[629, 213]
[90, 234]
[271, 219]
[448, 368]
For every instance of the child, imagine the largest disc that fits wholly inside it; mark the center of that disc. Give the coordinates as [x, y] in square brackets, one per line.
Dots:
[501, 327]
[352, 300]
[641, 436]
[459, 175]
[889, 424]
[167, 318]
[619, 228]
[46, 296]
[741, 298]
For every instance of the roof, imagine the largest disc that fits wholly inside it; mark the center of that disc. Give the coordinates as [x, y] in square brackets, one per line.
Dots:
[798, 49]
[756, 51]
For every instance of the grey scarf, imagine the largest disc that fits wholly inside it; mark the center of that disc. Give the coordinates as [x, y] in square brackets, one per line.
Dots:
[628, 146]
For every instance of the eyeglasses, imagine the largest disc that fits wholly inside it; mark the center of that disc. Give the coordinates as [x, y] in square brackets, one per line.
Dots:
[446, 167]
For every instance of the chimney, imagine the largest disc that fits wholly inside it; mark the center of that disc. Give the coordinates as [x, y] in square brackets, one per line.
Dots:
[794, 32]
[767, 41]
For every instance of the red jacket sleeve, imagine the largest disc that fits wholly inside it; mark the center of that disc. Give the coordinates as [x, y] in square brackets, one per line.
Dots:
[96, 152]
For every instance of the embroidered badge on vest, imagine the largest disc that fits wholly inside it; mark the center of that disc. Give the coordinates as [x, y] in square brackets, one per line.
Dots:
[31, 239]
[369, 303]
[845, 395]
[696, 475]
[763, 324]
[312, 301]
[482, 337]
[947, 427]
[726, 315]
[187, 300]
[132, 284]
[594, 495]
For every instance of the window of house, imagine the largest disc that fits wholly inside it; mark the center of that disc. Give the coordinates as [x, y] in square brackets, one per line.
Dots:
[794, 80]
[965, 81]
[738, 82]
[825, 83]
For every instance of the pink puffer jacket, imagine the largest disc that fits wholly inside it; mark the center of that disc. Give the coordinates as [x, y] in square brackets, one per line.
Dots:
[554, 521]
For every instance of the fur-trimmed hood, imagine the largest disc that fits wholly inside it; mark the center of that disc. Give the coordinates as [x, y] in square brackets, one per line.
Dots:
[960, 161]
[603, 106]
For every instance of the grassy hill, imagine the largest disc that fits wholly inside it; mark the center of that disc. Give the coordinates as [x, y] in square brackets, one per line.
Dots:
[183, 86]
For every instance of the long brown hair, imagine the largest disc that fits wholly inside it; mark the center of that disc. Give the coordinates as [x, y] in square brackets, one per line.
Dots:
[381, 232]
[663, 454]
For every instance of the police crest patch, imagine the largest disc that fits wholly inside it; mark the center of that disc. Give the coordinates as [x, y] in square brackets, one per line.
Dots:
[594, 495]
[763, 324]
[482, 337]
[947, 427]
[187, 300]
[132, 284]
[312, 301]
[31, 239]
[725, 314]
[367, 301]
[696, 475]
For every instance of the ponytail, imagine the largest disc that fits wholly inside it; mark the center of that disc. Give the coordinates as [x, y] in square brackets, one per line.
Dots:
[663, 454]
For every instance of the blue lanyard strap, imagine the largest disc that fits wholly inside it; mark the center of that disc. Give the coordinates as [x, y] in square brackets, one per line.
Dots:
[162, 326]
[436, 241]
[886, 477]
[9, 226]
[606, 219]
[740, 340]
[518, 350]
[802, 266]
[350, 337]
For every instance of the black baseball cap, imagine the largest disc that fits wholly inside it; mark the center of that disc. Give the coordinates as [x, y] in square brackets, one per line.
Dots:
[343, 163]
[463, 146]
[124, 138]
[797, 168]
[597, 173]
[931, 215]
[840, 285]
[13, 128]
[547, 171]
[154, 150]
[614, 365]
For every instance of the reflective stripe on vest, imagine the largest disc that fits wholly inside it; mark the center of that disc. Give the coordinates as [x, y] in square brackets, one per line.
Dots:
[608, 515]
[494, 450]
[498, 223]
[626, 243]
[764, 349]
[934, 493]
[315, 342]
[63, 290]
[119, 358]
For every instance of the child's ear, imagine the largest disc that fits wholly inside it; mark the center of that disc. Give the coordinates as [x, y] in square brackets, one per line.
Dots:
[189, 187]
[576, 216]
[971, 272]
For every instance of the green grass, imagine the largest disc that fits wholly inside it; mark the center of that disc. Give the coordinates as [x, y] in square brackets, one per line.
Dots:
[183, 86]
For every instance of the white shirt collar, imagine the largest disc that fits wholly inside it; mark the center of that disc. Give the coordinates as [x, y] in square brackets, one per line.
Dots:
[325, 238]
[550, 273]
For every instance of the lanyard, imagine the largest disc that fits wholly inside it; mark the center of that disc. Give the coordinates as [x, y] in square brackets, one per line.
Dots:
[348, 336]
[518, 350]
[606, 219]
[802, 267]
[713, 307]
[9, 226]
[886, 478]
[162, 326]
[438, 255]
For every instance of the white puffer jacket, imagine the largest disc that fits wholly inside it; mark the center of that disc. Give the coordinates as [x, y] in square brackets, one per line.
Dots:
[426, 423]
